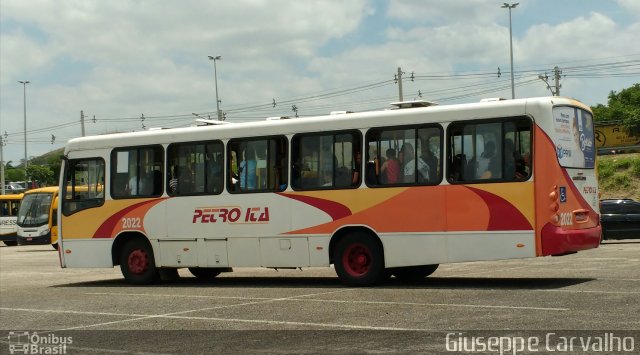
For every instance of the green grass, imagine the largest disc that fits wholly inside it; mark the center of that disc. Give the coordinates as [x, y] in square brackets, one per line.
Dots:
[619, 176]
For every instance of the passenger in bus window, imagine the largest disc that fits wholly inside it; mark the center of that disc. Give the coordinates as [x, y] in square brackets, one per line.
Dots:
[186, 184]
[408, 163]
[247, 170]
[214, 166]
[427, 165]
[372, 168]
[509, 164]
[390, 169]
[355, 174]
[486, 163]
[134, 185]
[173, 182]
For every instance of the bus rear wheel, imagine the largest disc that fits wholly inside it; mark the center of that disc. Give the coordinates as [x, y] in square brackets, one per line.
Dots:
[10, 243]
[413, 273]
[359, 260]
[137, 263]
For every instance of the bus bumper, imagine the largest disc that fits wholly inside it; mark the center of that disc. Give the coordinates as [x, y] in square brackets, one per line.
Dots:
[558, 241]
[11, 237]
[39, 240]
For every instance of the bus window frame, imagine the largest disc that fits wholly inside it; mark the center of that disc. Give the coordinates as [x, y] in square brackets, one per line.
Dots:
[485, 121]
[356, 133]
[416, 128]
[63, 194]
[113, 170]
[234, 188]
[168, 170]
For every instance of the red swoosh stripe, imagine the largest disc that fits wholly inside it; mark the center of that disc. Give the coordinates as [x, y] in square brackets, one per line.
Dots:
[334, 209]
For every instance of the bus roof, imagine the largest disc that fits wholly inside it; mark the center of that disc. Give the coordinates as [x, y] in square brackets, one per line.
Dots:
[11, 197]
[42, 190]
[267, 127]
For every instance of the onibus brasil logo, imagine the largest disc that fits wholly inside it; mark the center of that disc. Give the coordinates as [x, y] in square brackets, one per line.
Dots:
[34, 343]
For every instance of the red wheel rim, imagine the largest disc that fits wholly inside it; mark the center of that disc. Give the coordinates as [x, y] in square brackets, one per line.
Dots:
[138, 261]
[357, 260]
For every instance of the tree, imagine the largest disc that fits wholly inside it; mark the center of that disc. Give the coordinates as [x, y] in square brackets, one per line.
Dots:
[13, 174]
[42, 174]
[623, 107]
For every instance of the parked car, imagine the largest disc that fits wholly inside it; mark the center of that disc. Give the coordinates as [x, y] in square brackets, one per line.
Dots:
[620, 218]
[13, 188]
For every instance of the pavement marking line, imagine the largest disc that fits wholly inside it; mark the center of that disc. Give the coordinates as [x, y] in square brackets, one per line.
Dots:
[204, 309]
[293, 298]
[73, 312]
[168, 295]
[594, 291]
[237, 320]
[444, 305]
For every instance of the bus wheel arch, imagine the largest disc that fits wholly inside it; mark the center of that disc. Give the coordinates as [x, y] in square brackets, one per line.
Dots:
[134, 253]
[358, 256]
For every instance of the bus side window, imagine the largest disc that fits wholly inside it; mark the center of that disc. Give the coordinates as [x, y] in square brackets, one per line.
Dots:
[256, 164]
[492, 150]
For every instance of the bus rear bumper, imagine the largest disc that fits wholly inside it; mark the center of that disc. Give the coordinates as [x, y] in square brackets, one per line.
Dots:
[558, 241]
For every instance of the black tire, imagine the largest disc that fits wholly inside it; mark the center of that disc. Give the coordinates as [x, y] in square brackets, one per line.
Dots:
[359, 260]
[208, 273]
[10, 243]
[137, 263]
[413, 273]
[55, 246]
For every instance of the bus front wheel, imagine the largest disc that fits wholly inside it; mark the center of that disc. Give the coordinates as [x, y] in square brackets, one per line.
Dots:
[137, 263]
[10, 243]
[359, 260]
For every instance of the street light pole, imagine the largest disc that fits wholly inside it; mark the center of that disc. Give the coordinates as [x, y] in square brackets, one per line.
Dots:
[511, 6]
[215, 75]
[24, 94]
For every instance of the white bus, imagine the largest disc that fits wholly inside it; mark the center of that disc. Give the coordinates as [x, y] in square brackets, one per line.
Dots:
[38, 217]
[392, 192]
[9, 205]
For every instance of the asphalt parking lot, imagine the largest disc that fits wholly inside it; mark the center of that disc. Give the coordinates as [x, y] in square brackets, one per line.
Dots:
[591, 293]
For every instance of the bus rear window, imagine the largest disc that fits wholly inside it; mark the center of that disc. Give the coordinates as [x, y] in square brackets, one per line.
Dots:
[573, 137]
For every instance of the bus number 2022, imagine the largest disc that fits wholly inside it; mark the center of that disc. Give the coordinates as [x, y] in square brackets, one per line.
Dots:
[134, 222]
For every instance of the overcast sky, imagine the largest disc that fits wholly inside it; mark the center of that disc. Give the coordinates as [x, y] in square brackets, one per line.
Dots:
[118, 60]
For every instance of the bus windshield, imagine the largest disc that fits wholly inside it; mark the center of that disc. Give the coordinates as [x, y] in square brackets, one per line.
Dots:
[34, 210]
[573, 137]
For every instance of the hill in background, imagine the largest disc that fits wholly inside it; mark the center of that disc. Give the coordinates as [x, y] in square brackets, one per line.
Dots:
[619, 176]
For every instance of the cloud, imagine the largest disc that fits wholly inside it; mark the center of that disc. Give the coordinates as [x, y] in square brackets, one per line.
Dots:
[446, 12]
[630, 5]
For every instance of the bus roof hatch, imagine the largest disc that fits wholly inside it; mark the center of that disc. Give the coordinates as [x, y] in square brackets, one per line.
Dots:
[412, 104]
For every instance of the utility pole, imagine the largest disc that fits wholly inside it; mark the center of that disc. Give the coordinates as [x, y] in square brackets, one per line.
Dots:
[215, 76]
[24, 94]
[2, 164]
[556, 75]
[82, 122]
[511, 6]
[399, 78]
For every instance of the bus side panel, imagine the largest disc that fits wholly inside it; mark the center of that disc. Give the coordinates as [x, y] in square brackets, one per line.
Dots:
[8, 228]
[557, 197]
[87, 253]
[490, 221]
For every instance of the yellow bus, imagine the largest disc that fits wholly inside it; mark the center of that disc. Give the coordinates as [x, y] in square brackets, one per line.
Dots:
[9, 205]
[391, 192]
[38, 217]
